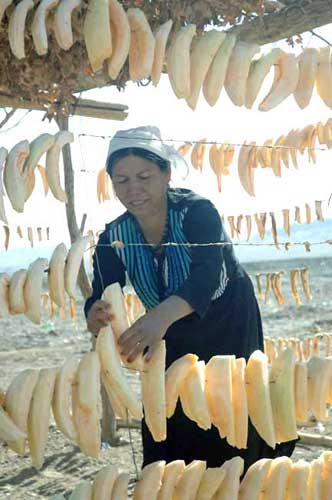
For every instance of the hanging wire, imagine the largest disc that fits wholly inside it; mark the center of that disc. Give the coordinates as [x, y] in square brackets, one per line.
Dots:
[187, 141]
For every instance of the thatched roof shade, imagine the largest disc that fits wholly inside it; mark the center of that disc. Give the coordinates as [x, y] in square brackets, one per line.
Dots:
[60, 73]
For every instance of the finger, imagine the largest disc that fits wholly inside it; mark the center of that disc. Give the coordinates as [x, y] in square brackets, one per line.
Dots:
[130, 344]
[152, 349]
[103, 316]
[138, 349]
[125, 336]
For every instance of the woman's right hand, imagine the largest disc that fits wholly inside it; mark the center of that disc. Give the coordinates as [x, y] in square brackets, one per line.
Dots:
[98, 316]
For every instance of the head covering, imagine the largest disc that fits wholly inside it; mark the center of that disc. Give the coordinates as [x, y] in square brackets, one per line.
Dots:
[148, 138]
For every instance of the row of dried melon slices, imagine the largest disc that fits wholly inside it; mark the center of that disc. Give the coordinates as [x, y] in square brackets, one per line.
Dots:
[316, 345]
[19, 164]
[273, 284]
[21, 292]
[272, 154]
[267, 479]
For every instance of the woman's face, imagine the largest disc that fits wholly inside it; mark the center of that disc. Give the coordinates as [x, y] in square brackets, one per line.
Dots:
[140, 185]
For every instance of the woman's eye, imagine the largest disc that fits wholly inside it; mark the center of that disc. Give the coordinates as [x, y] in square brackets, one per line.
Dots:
[122, 181]
[144, 177]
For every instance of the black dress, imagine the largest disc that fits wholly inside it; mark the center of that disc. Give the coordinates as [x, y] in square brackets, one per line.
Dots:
[226, 317]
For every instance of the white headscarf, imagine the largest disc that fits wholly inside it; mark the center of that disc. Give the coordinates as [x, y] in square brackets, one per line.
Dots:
[148, 138]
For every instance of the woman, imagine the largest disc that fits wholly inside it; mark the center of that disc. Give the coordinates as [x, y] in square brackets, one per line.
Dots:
[199, 298]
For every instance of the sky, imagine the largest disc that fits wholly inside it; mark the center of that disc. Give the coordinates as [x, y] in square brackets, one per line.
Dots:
[160, 107]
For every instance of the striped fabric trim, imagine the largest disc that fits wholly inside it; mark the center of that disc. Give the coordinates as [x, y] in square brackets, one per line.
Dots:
[141, 266]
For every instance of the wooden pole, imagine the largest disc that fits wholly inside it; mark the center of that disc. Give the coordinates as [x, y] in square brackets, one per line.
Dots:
[74, 231]
[83, 107]
[315, 440]
[109, 433]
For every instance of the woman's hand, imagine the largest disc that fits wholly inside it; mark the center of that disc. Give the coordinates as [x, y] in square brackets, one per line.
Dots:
[98, 316]
[145, 333]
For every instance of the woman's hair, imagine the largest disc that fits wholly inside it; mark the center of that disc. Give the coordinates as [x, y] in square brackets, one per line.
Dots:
[142, 153]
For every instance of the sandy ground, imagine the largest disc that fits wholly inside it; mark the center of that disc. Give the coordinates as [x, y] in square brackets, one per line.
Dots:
[24, 345]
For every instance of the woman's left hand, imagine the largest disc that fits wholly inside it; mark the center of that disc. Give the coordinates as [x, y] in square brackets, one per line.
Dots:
[146, 332]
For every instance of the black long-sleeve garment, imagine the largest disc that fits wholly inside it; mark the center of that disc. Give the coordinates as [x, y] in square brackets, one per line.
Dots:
[226, 317]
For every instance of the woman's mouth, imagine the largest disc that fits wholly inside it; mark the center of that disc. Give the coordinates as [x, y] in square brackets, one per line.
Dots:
[138, 203]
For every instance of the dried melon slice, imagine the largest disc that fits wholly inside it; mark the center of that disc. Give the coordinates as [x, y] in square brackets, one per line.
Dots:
[219, 393]
[153, 393]
[258, 397]
[175, 375]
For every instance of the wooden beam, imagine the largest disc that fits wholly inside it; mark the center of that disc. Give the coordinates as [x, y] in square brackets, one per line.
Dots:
[83, 107]
[295, 18]
[315, 440]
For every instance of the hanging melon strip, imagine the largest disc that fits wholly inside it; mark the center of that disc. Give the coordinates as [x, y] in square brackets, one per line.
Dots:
[16, 28]
[205, 47]
[149, 484]
[73, 263]
[17, 404]
[195, 388]
[141, 50]
[120, 30]
[16, 296]
[210, 483]
[301, 392]
[178, 61]
[119, 322]
[258, 397]
[298, 480]
[120, 488]
[282, 376]
[324, 75]
[39, 415]
[62, 23]
[229, 488]
[326, 475]
[103, 483]
[238, 71]
[172, 473]
[175, 375]
[15, 180]
[38, 26]
[286, 76]
[239, 400]
[3, 156]
[56, 275]
[61, 402]
[9, 432]
[188, 484]
[113, 374]
[97, 33]
[308, 65]
[216, 75]
[33, 289]
[161, 38]
[87, 403]
[251, 486]
[258, 71]
[153, 393]
[319, 377]
[3, 6]
[53, 161]
[276, 480]
[314, 485]
[219, 393]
